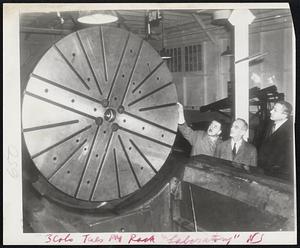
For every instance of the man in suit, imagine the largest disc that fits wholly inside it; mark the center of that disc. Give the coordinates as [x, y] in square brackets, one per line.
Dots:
[236, 149]
[275, 155]
[202, 142]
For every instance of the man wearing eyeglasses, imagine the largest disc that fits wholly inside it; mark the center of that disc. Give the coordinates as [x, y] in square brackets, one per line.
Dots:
[275, 155]
[236, 149]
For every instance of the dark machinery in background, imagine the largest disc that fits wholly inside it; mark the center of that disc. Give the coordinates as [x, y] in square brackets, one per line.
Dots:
[261, 99]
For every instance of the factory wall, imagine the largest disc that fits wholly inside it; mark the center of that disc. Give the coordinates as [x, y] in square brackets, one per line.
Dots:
[277, 67]
[199, 88]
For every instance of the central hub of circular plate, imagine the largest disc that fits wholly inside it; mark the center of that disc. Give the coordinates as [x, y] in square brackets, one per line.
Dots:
[110, 115]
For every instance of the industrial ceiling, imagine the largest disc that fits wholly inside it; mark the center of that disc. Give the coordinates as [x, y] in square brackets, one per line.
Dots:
[179, 25]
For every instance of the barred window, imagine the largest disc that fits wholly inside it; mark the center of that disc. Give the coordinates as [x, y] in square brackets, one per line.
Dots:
[174, 63]
[193, 58]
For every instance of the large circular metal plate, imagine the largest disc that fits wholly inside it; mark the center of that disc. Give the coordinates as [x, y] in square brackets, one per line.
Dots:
[99, 114]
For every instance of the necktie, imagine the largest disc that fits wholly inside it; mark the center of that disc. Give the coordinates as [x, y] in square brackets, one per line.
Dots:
[234, 150]
[273, 129]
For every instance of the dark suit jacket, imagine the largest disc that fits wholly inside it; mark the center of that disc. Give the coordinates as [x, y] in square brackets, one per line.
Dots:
[275, 155]
[246, 153]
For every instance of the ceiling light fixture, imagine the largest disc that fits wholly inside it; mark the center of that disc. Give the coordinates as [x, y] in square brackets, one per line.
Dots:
[97, 17]
[220, 17]
[227, 52]
[163, 54]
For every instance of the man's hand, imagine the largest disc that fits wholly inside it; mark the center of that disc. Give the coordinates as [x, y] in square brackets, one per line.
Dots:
[181, 119]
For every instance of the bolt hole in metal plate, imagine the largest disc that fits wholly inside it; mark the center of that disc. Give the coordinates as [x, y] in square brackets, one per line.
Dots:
[97, 122]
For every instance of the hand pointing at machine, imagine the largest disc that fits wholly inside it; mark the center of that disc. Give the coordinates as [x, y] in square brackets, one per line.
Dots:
[181, 119]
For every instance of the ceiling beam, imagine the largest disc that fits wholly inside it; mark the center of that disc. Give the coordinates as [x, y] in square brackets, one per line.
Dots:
[181, 34]
[121, 19]
[184, 26]
[202, 25]
[179, 27]
[135, 13]
[175, 13]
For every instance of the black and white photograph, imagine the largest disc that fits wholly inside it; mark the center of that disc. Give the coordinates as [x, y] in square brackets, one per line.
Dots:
[149, 124]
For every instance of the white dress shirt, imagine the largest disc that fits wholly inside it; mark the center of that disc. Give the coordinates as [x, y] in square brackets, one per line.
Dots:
[237, 144]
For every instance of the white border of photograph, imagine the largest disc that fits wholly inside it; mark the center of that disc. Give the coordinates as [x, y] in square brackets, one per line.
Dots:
[12, 159]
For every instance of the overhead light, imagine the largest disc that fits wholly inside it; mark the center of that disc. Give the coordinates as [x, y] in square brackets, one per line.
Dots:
[163, 54]
[97, 17]
[220, 17]
[227, 52]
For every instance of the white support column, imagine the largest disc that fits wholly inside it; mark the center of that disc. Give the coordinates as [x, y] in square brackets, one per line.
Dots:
[204, 70]
[184, 91]
[240, 19]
